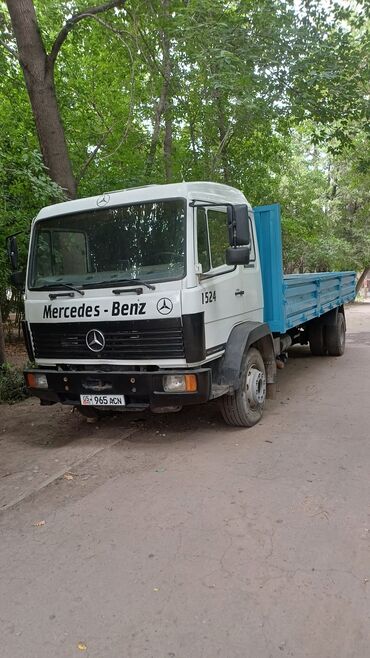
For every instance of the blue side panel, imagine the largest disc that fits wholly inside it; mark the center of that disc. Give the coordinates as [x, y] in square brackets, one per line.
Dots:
[268, 228]
[307, 296]
[293, 299]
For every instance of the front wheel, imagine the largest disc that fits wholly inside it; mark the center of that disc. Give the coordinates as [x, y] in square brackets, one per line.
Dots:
[244, 408]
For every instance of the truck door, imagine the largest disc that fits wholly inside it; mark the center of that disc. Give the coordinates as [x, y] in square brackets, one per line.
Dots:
[228, 295]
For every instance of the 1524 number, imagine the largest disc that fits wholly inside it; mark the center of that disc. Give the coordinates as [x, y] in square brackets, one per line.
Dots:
[208, 297]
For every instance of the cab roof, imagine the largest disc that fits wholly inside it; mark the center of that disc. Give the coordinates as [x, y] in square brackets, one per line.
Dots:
[203, 191]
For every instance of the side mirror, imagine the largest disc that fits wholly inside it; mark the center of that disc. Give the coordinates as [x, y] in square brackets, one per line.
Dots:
[12, 248]
[238, 255]
[18, 280]
[238, 225]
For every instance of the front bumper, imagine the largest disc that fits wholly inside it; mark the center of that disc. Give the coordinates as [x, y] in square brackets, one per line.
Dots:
[141, 389]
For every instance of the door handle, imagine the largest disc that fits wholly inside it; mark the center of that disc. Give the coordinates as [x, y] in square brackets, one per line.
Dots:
[239, 292]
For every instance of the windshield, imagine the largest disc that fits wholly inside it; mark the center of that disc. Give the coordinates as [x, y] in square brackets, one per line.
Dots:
[142, 241]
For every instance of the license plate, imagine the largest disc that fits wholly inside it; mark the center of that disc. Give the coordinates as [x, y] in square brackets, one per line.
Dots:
[102, 400]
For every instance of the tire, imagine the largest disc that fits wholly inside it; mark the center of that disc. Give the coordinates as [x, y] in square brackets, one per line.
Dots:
[317, 340]
[245, 407]
[335, 337]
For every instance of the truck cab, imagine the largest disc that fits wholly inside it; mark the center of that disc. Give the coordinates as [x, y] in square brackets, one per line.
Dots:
[152, 297]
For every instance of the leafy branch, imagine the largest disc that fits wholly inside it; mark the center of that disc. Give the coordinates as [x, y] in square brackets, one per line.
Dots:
[76, 18]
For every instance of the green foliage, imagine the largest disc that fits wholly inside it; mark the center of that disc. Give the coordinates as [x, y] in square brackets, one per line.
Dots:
[350, 200]
[12, 388]
[265, 95]
[24, 188]
[326, 207]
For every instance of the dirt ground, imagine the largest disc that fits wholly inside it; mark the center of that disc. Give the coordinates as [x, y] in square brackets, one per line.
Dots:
[175, 536]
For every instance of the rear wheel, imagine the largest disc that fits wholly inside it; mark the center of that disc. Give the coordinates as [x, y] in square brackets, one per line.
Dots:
[317, 340]
[245, 407]
[336, 336]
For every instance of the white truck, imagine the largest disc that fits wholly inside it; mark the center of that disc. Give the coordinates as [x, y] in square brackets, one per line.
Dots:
[168, 295]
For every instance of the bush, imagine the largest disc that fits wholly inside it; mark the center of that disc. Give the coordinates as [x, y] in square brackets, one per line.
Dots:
[12, 388]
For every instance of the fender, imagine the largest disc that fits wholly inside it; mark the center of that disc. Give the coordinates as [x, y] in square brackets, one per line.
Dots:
[241, 338]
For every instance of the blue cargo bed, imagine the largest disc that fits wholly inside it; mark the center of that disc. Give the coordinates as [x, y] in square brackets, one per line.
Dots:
[307, 296]
[290, 300]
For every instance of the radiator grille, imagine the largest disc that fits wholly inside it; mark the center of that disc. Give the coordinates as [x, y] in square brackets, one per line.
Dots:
[131, 339]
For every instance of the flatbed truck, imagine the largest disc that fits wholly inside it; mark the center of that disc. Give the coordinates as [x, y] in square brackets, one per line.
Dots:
[169, 295]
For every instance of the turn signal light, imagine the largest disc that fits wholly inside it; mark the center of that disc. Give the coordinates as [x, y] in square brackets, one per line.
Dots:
[36, 380]
[191, 383]
[180, 383]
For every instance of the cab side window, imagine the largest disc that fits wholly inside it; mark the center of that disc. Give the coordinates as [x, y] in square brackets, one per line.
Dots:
[213, 238]
[218, 236]
[203, 246]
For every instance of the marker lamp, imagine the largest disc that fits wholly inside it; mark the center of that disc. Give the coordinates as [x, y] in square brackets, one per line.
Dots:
[36, 380]
[180, 383]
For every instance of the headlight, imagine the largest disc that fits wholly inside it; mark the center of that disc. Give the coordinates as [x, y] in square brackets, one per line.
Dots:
[36, 380]
[180, 383]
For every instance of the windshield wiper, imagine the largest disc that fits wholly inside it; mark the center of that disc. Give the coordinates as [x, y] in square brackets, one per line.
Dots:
[121, 282]
[57, 286]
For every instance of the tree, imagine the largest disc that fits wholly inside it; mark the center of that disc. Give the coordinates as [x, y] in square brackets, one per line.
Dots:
[2, 341]
[326, 206]
[350, 201]
[208, 81]
[24, 185]
[197, 90]
[38, 70]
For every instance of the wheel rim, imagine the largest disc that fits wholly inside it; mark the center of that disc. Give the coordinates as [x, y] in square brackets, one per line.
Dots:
[256, 387]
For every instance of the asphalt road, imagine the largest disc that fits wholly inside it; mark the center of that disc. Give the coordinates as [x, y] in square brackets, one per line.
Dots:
[177, 537]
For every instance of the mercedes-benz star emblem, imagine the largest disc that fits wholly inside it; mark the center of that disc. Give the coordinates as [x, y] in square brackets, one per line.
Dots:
[103, 200]
[164, 306]
[95, 340]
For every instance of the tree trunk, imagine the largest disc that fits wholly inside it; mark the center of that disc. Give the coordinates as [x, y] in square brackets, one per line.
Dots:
[38, 74]
[156, 130]
[192, 137]
[51, 133]
[2, 342]
[362, 279]
[167, 144]
[223, 133]
[163, 107]
[167, 72]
